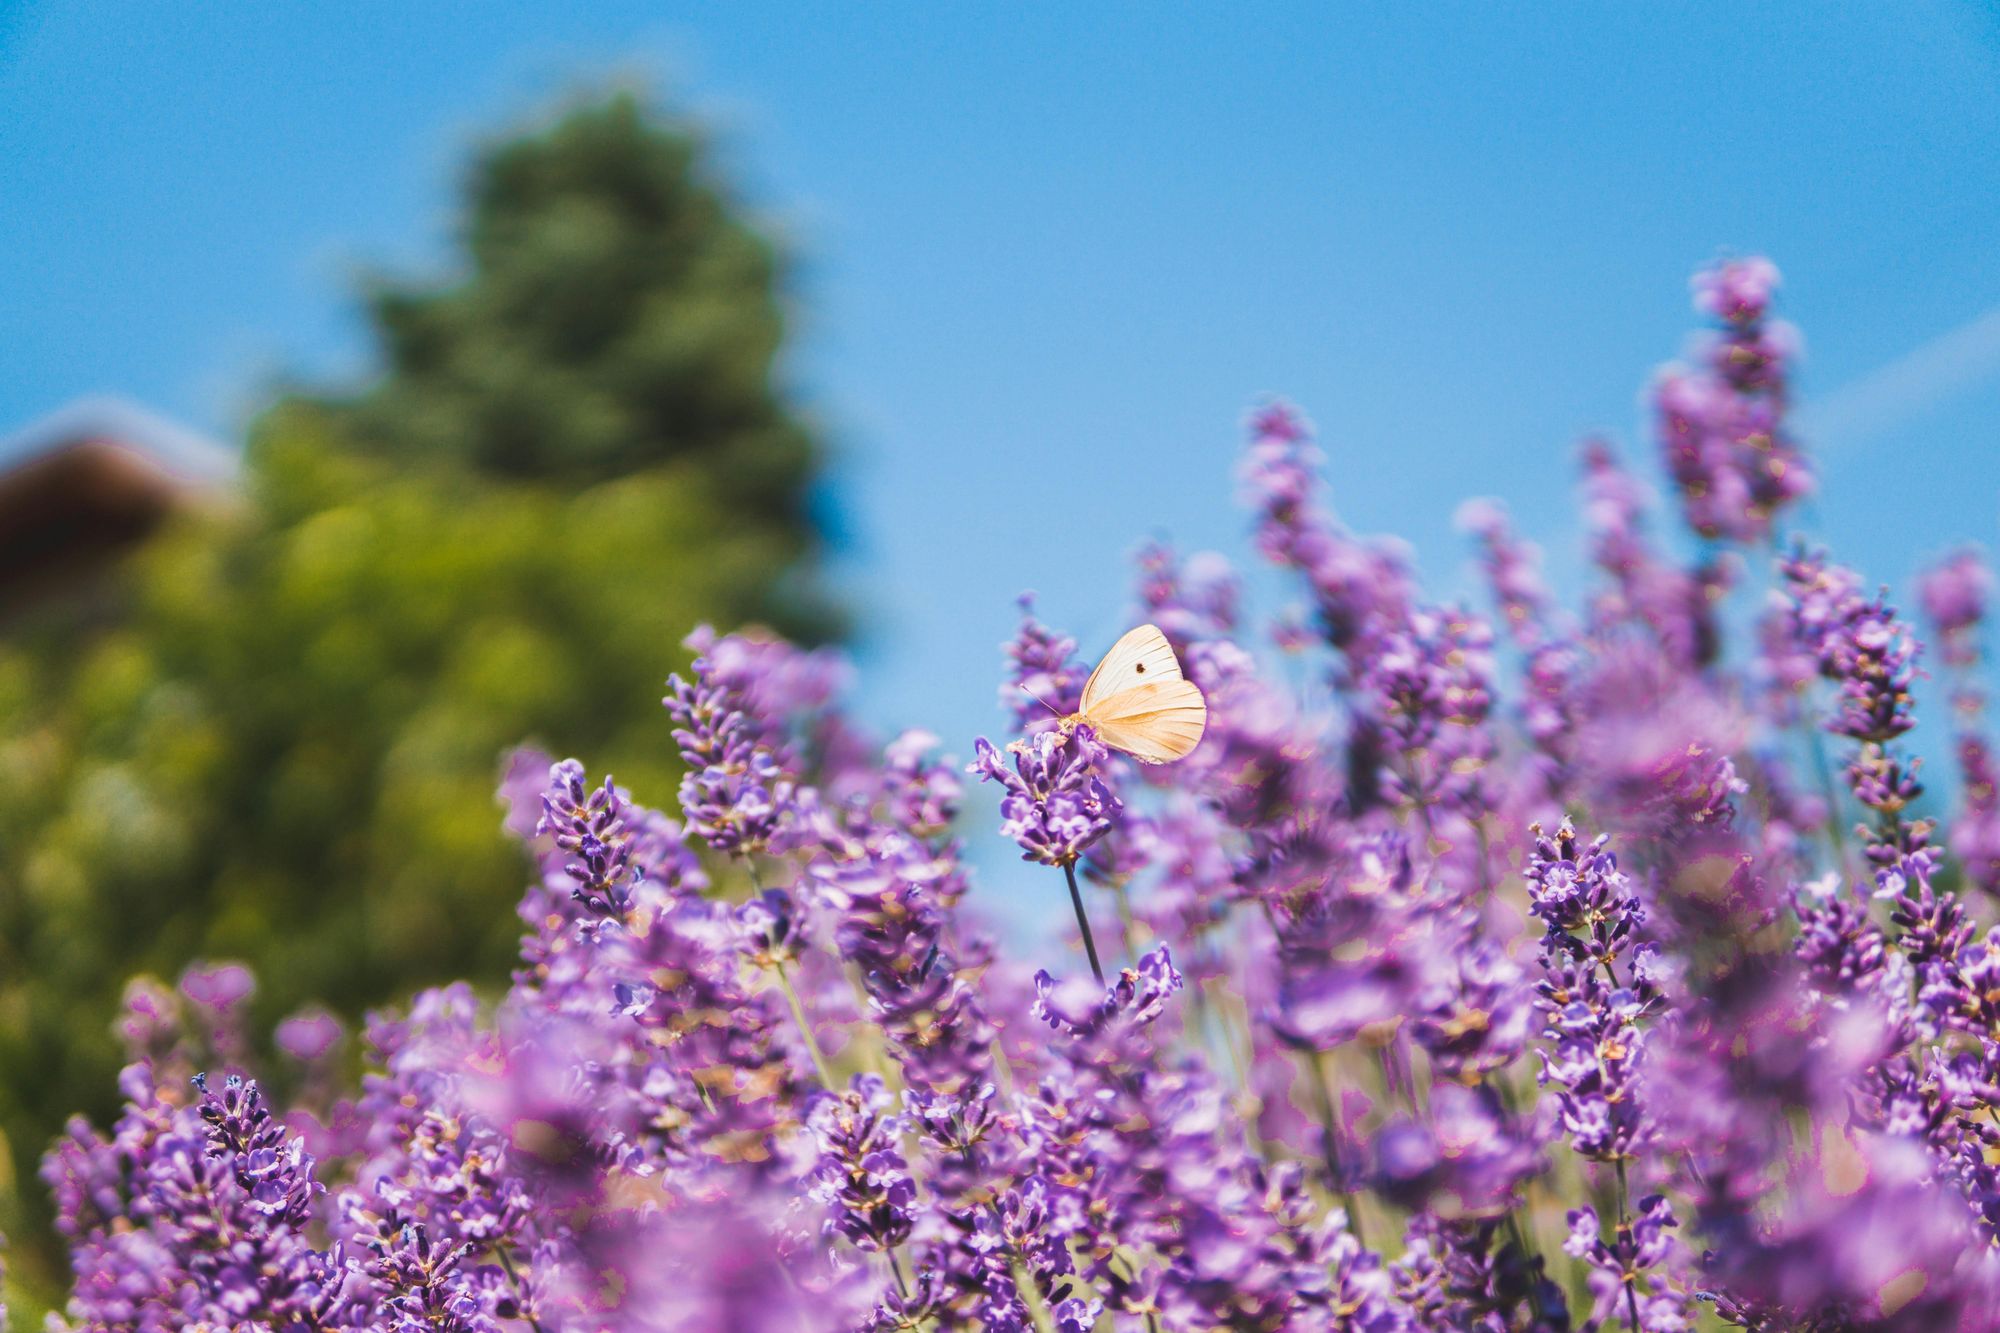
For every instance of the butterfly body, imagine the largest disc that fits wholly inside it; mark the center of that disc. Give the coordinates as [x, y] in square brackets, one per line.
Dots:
[1139, 701]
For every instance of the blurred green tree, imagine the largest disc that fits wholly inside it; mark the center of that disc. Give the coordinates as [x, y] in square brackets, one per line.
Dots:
[619, 314]
[283, 746]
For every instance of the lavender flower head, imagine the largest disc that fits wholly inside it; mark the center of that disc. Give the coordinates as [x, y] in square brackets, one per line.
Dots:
[861, 1175]
[1722, 423]
[1599, 982]
[1954, 594]
[1871, 655]
[1619, 1265]
[1136, 998]
[1354, 584]
[736, 793]
[594, 828]
[1736, 292]
[1044, 680]
[1054, 803]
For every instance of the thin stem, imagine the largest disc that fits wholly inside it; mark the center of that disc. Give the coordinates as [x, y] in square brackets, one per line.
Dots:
[1531, 1260]
[1127, 923]
[1816, 747]
[1132, 1275]
[1024, 1278]
[1399, 1076]
[1485, 857]
[805, 1025]
[1212, 1020]
[1031, 1296]
[1624, 1235]
[1413, 764]
[1082, 921]
[520, 1288]
[876, 1053]
[1510, 1102]
[1003, 1069]
[1329, 1121]
[896, 1267]
[1419, 1089]
[792, 996]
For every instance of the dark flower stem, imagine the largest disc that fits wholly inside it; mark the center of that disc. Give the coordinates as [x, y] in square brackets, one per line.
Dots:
[1511, 1101]
[1533, 1262]
[1624, 1235]
[1082, 921]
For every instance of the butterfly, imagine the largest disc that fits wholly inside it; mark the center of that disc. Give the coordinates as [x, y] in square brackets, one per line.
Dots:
[1139, 702]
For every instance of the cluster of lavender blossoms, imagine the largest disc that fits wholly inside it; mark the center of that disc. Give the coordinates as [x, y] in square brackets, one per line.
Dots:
[1520, 972]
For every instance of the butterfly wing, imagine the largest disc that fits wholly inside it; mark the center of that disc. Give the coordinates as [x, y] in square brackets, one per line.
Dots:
[1142, 657]
[1155, 723]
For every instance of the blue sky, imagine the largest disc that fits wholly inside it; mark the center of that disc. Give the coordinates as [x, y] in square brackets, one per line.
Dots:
[1049, 253]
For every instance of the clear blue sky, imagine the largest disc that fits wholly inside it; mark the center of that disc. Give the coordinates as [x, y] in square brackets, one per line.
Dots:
[1051, 252]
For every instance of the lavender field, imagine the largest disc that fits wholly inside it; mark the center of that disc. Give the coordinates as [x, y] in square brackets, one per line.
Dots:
[1516, 966]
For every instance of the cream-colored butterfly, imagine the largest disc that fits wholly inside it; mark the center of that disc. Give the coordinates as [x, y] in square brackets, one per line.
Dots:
[1139, 702]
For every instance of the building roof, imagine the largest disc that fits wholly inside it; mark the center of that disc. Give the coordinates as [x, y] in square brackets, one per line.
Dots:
[184, 455]
[85, 485]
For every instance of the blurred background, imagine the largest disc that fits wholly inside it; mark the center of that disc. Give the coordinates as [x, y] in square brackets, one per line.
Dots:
[384, 385]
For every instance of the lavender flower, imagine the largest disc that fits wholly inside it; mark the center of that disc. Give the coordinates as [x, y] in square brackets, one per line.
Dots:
[1136, 998]
[1592, 934]
[197, 1214]
[736, 791]
[1465, 1161]
[1722, 424]
[422, 1281]
[1474, 1019]
[861, 1175]
[1426, 698]
[592, 827]
[1975, 835]
[1353, 584]
[922, 795]
[1618, 1267]
[1954, 594]
[1190, 600]
[1055, 803]
[275, 1173]
[1871, 656]
[1044, 679]
[1648, 594]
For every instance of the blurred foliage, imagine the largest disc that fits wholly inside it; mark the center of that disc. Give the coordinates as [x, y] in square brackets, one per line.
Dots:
[283, 746]
[618, 315]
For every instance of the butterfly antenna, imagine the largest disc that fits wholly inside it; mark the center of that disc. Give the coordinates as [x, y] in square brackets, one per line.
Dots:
[1040, 700]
